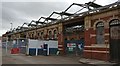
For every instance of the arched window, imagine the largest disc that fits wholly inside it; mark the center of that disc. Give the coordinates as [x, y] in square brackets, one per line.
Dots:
[100, 33]
[38, 34]
[114, 22]
[32, 36]
[55, 34]
[50, 34]
[42, 35]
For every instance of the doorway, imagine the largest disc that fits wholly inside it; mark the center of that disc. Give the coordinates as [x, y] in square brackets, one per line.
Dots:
[115, 40]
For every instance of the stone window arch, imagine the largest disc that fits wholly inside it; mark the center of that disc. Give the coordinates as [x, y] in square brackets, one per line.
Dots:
[55, 34]
[114, 28]
[32, 35]
[38, 34]
[100, 33]
[50, 34]
[114, 22]
[42, 34]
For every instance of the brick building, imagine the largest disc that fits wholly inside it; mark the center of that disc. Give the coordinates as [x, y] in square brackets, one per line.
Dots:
[98, 28]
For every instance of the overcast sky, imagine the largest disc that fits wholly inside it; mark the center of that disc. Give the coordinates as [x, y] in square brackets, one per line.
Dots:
[20, 11]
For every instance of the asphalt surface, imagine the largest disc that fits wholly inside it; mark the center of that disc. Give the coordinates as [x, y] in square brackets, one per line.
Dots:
[23, 60]
[8, 58]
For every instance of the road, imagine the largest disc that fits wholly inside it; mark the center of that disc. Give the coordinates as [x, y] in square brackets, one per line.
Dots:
[23, 60]
[8, 58]
[19, 59]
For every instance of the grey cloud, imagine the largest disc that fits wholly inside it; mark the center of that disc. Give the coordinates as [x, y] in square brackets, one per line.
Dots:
[20, 12]
[35, 9]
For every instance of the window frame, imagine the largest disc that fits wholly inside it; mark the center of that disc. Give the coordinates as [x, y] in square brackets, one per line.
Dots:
[100, 39]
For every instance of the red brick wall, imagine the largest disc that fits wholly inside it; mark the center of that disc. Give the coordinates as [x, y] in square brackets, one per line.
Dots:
[107, 37]
[87, 37]
[87, 55]
[92, 40]
[61, 44]
[100, 56]
[96, 48]
[74, 36]
[97, 55]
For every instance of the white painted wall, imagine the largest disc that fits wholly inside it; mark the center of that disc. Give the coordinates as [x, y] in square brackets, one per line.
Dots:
[37, 43]
[52, 44]
[34, 43]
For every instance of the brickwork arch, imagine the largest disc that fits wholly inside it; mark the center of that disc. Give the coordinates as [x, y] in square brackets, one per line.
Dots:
[94, 26]
[41, 34]
[55, 29]
[50, 32]
[113, 18]
[55, 33]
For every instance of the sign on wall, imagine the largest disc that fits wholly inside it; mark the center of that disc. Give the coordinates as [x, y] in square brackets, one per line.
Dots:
[71, 46]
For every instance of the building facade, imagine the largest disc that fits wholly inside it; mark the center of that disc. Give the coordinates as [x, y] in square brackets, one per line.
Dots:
[102, 35]
[98, 30]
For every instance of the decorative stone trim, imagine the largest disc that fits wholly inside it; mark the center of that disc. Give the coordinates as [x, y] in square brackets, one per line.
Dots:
[87, 22]
[56, 31]
[96, 51]
[60, 45]
[106, 40]
[94, 26]
[92, 35]
[106, 34]
[98, 46]
[49, 31]
[60, 48]
[112, 18]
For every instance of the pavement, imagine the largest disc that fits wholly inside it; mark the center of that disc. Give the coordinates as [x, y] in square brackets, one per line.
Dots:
[8, 58]
[97, 62]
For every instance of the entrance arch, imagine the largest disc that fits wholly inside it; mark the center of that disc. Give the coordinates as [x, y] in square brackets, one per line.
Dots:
[115, 40]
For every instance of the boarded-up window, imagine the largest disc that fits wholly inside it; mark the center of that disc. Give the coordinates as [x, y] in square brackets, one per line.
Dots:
[100, 33]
